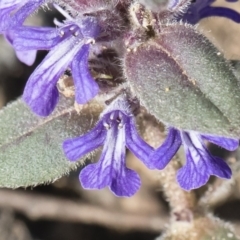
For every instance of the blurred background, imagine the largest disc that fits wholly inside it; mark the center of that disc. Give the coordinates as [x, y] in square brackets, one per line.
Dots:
[64, 211]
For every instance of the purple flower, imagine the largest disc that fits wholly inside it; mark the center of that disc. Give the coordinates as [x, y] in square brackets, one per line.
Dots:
[13, 13]
[201, 9]
[115, 130]
[200, 164]
[70, 45]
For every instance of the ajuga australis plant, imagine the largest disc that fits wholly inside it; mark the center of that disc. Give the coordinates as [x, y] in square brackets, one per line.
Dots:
[125, 56]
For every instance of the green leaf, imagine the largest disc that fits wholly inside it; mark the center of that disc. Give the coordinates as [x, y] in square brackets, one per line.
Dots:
[182, 80]
[205, 65]
[31, 147]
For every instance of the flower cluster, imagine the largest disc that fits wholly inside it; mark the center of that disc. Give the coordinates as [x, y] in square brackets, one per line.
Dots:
[116, 128]
[69, 46]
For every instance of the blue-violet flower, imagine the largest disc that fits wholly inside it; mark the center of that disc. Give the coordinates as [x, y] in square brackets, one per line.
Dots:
[115, 130]
[13, 13]
[69, 46]
[200, 164]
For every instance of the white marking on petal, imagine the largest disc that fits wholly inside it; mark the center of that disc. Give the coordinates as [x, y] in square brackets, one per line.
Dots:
[75, 34]
[90, 41]
[106, 125]
[120, 151]
[52, 66]
[58, 23]
[112, 115]
[61, 33]
[192, 142]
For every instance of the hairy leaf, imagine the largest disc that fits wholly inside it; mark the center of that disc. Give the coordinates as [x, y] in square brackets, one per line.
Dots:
[182, 80]
[205, 66]
[31, 147]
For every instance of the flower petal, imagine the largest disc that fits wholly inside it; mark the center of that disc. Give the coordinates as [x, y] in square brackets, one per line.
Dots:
[4, 19]
[192, 14]
[22, 9]
[77, 147]
[25, 11]
[127, 184]
[220, 12]
[37, 38]
[227, 143]
[43, 103]
[200, 164]
[111, 169]
[27, 57]
[137, 145]
[9, 3]
[163, 155]
[85, 86]
[220, 168]
[40, 91]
